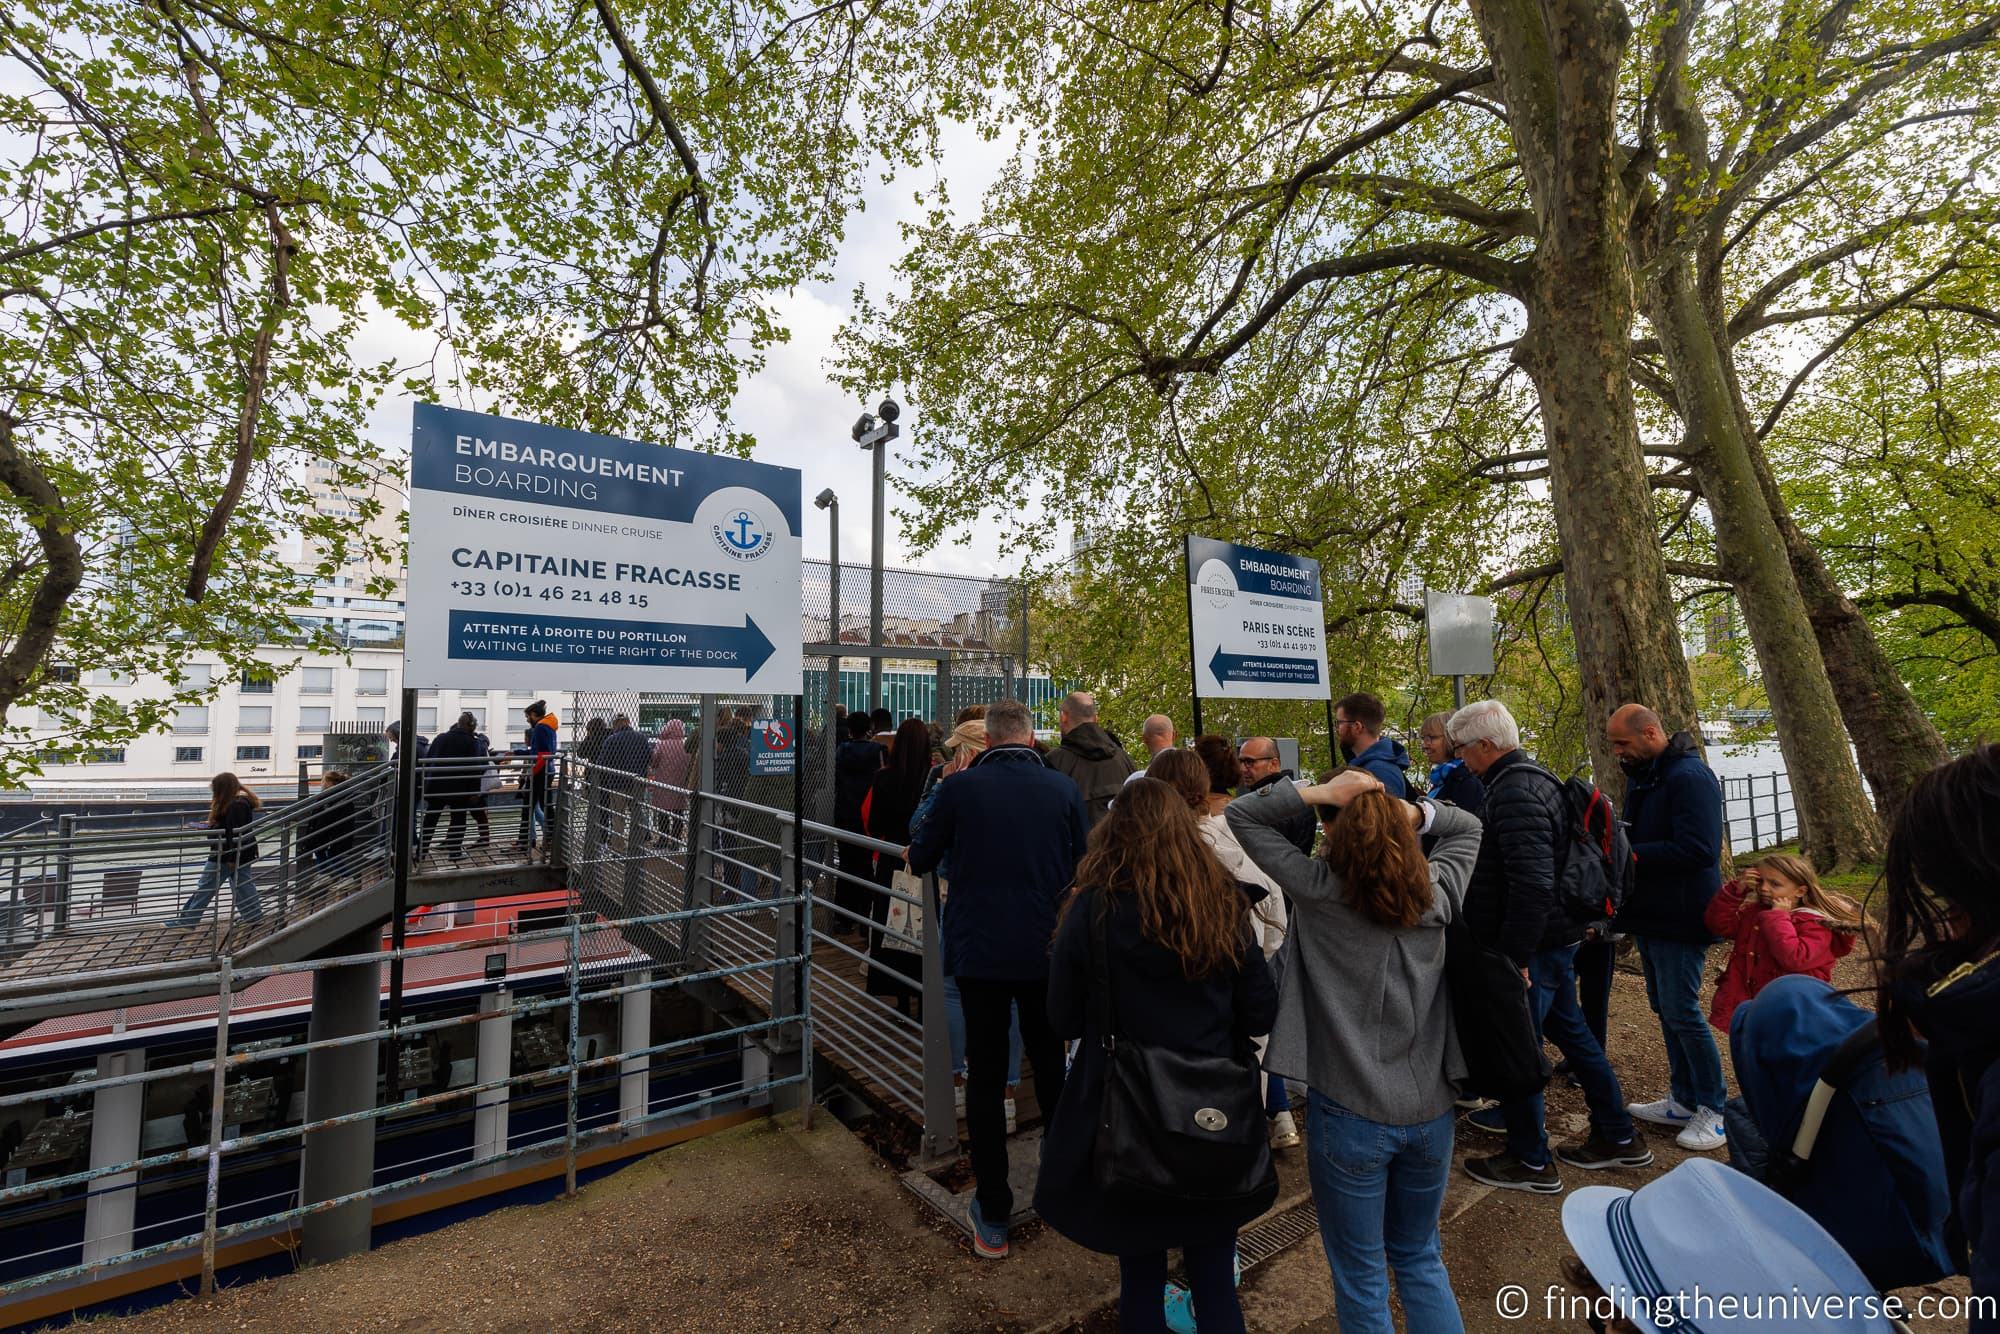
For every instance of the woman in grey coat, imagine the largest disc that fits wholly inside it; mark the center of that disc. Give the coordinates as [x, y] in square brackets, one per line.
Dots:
[1364, 1019]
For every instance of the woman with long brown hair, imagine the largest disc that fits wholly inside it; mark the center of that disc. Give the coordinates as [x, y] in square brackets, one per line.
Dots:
[1192, 776]
[232, 847]
[1184, 973]
[1365, 1021]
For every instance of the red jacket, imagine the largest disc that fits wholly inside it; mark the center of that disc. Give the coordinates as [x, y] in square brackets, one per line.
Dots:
[1768, 945]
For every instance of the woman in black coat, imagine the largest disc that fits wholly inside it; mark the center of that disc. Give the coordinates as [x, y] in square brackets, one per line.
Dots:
[1186, 974]
[1939, 997]
[893, 794]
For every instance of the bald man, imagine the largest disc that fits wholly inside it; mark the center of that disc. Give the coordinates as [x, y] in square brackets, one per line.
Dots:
[1157, 735]
[1088, 756]
[1673, 815]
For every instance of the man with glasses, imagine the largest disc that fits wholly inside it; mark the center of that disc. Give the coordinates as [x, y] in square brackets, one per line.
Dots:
[1357, 722]
[1258, 758]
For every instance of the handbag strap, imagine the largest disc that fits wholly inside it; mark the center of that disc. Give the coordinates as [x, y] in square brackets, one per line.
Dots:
[1103, 1000]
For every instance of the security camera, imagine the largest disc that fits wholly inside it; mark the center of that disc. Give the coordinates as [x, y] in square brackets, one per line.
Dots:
[862, 427]
[890, 409]
[825, 498]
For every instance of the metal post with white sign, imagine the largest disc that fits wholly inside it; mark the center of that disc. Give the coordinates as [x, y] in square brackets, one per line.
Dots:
[626, 565]
[1459, 628]
[620, 565]
[1256, 624]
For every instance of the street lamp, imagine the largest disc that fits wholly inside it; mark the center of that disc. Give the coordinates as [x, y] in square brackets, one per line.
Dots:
[875, 437]
[829, 502]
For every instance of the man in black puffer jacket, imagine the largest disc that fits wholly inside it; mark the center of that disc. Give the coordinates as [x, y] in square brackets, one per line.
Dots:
[1512, 905]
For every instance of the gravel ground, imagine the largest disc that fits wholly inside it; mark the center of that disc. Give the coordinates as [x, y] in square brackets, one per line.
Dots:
[768, 1227]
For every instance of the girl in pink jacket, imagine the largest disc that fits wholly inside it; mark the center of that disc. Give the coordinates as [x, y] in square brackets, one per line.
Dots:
[1782, 922]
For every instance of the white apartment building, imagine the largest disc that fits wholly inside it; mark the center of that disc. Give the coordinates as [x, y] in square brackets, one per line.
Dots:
[261, 725]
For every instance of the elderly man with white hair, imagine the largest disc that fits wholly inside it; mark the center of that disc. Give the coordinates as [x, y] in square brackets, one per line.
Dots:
[1512, 905]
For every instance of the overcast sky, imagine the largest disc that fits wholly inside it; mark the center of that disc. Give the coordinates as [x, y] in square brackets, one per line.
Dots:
[799, 417]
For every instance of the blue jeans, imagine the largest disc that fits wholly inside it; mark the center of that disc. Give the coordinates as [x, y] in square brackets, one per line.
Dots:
[1378, 1189]
[212, 876]
[1560, 1020]
[954, 1026]
[1673, 989]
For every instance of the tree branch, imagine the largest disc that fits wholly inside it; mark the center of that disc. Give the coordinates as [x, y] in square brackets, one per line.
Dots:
[43, 508]
[663, 115]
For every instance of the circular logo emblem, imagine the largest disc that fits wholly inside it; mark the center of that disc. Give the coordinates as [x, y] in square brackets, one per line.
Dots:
[1216, 582]
[743, 534]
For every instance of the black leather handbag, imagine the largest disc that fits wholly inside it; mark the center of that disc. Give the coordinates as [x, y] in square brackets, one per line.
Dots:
[1174, 1127]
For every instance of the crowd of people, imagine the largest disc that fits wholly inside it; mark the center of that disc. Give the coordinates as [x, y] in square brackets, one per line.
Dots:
[1212, 909]
[1181, 949]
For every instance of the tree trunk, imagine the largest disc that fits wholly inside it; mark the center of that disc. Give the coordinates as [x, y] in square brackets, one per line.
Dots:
[1836, 823]
[1892, 736]
[1558, 64]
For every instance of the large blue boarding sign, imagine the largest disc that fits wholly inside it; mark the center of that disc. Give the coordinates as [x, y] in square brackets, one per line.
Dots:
[1255, 623]
[543, 557]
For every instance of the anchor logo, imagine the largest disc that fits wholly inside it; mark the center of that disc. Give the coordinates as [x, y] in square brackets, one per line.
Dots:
[743, 535]
[746, 537]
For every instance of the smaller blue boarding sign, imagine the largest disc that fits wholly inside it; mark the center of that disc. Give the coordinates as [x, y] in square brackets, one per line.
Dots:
[1256, 623]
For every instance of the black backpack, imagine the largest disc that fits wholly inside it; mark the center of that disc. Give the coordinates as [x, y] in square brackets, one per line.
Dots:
[1596, 868]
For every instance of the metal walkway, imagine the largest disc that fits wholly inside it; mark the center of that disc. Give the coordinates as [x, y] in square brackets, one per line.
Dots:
[82, 911]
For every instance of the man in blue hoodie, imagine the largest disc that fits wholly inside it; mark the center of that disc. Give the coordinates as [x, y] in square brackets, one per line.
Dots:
[1673, 815]
[1357, 721]
[1015, 830]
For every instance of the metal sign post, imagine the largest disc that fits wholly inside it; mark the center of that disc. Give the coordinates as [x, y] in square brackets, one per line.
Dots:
[622, 565]
[1256, 624]
[405, 828]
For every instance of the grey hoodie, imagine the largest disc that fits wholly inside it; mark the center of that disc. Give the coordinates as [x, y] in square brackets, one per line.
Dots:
[1364, 1017]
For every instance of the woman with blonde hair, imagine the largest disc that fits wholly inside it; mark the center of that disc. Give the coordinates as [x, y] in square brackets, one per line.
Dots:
[1780, 921]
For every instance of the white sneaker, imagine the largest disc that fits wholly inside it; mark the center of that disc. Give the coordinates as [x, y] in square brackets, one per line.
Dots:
[1704, 1132]
[1010, 1116]
[1665, 1112]
[1284, 1131]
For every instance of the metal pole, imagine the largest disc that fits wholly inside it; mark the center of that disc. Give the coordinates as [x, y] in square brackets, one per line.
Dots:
[833, 619]
[881, 452]
[1332, 738]
[575, 962]
[1194, 668]
[66, 869]
[1457, 692]
[212, 1201]
[1024, 643]
[794, 924]
[940, 1116]
[405, 825]
[305, 779]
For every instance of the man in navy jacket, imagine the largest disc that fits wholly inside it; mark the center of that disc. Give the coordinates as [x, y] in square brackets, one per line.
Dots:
[1673, 816]
[1015, 830]
[1357, 720]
